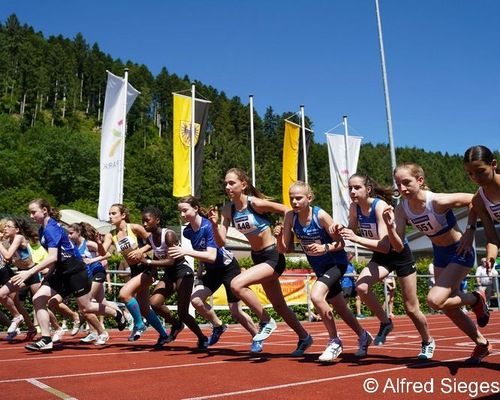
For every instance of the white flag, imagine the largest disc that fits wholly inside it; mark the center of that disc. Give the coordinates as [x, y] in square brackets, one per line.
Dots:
[117, 103]
[340, 172]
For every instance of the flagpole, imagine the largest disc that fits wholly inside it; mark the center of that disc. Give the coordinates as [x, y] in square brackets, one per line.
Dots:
[346, 141]
[193, 104]
[122, 164]
[386, 91]
[304, 147]
[252, 139]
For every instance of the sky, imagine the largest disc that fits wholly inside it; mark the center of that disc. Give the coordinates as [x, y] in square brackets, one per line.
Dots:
[443, 58]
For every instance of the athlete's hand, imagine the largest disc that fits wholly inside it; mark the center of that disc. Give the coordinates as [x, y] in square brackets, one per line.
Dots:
[388, 216]
[465, 244]
[278, 230]
[20, 277]
[315, 248]
[335, 229]
[348, 234]
[213, 215]
[176, 252]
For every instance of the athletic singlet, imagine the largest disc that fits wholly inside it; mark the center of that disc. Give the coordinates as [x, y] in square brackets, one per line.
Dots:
[84, 250]
[248, 221]
[368, 226]
[54, 236]
[126, 244]
[160, 252]
[204, 238]
[315, 233]
[429, 222]
[22, 257]
[493, 208]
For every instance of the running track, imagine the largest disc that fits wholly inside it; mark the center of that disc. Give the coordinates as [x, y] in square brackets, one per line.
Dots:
[122, 370]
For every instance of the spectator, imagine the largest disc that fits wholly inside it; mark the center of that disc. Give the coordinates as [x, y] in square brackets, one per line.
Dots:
[486, 278]
[349, 286]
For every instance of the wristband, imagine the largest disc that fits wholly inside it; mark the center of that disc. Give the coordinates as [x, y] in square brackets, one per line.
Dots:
[326, 248]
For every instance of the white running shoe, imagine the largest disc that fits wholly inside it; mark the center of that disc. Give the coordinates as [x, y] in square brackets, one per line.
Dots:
[39, 346]
[91, 337]
[332, 351]
[427, 350]
[266, 328]
[15, 323]
[102, 338]
[364, 341]
[57, 336]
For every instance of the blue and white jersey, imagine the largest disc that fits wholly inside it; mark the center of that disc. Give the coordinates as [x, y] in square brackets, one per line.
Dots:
[493, 208]
[84, 250]
[248, 221]
[429, 222]
[368, 226]
[54, 236]
[315, 233]
[204, 238]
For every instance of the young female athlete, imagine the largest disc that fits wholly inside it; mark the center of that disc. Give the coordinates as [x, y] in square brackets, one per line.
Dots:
[325, 252]
[432, 214]
[482, 168]
[129, 240]
[67, 274]
[219, 265]
[177, 277]
[245, 212]
[365, 217]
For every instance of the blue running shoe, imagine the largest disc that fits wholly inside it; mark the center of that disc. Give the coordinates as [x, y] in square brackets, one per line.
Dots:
[217, 332]
[256, 346]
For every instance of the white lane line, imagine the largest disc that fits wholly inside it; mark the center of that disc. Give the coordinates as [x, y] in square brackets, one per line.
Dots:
[50, 389]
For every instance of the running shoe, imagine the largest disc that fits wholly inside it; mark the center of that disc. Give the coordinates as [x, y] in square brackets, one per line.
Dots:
[364, 341]
[360, 316]
[427, 350]
[302, 346]
[332, 351]
[57, 336]
[137, 333]
[121, 321]
[217, 332]
[16, 321]
[266, 328]
[479, 352]
[41, 345]
[76, 326]
[203, 343]
[91, 337]
[30, 335]
[174, 332]
[481, 309]
[256, 346]
[384, 330]
[11, 335]
[102, 338]
[160, 342]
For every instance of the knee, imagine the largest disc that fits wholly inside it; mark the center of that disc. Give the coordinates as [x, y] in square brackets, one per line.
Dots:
[435, 301]
[155, 304]
[362, 289]
[316, 299]
[235, 286]
[124, 296]
[197, 302]
[53, 303]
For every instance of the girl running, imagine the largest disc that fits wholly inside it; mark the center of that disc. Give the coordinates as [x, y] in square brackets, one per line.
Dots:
[245, 212]
[220, 265]
[67, 274]
[177, 277]
[432, 214]
[129, 240]
[325, 252]
[365, 217]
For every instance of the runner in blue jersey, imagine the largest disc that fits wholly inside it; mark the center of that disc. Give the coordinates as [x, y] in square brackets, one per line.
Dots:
[432, 214]
[178, 277]
[245, 212]
[367, 228]
[326, 255]
[217, 266]
[67, 274]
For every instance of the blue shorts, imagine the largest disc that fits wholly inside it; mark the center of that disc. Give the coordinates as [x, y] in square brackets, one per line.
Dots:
[448, 255]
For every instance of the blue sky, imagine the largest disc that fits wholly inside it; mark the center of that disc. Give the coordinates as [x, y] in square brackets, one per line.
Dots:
[442, 57]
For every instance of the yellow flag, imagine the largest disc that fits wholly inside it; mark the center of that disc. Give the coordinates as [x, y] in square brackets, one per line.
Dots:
[290, 158]
[182, 142]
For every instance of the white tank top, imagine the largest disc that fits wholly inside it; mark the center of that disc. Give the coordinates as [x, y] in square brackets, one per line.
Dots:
[493, 208]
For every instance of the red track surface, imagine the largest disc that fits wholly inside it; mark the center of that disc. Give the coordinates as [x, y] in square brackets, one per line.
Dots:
[124, 370]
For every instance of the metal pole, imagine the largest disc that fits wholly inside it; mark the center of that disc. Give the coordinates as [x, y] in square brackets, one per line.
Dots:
[252, 139]
[193, 136]
[304, 148]
[386, 91]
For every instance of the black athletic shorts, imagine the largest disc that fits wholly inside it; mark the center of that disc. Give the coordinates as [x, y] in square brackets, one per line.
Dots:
[69, 277]
[331, 278]
[215, 277]
[270, 256]
[402, 263]
[178, 271]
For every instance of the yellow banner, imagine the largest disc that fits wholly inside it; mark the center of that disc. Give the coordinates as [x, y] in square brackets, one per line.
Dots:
[182, 140]
[290, 158]
[294, 291]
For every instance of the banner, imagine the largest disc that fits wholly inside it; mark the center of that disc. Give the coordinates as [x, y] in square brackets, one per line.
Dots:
[118, 100]
[182, 142]
[340, 172]
[293, 157]
[294, 291]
